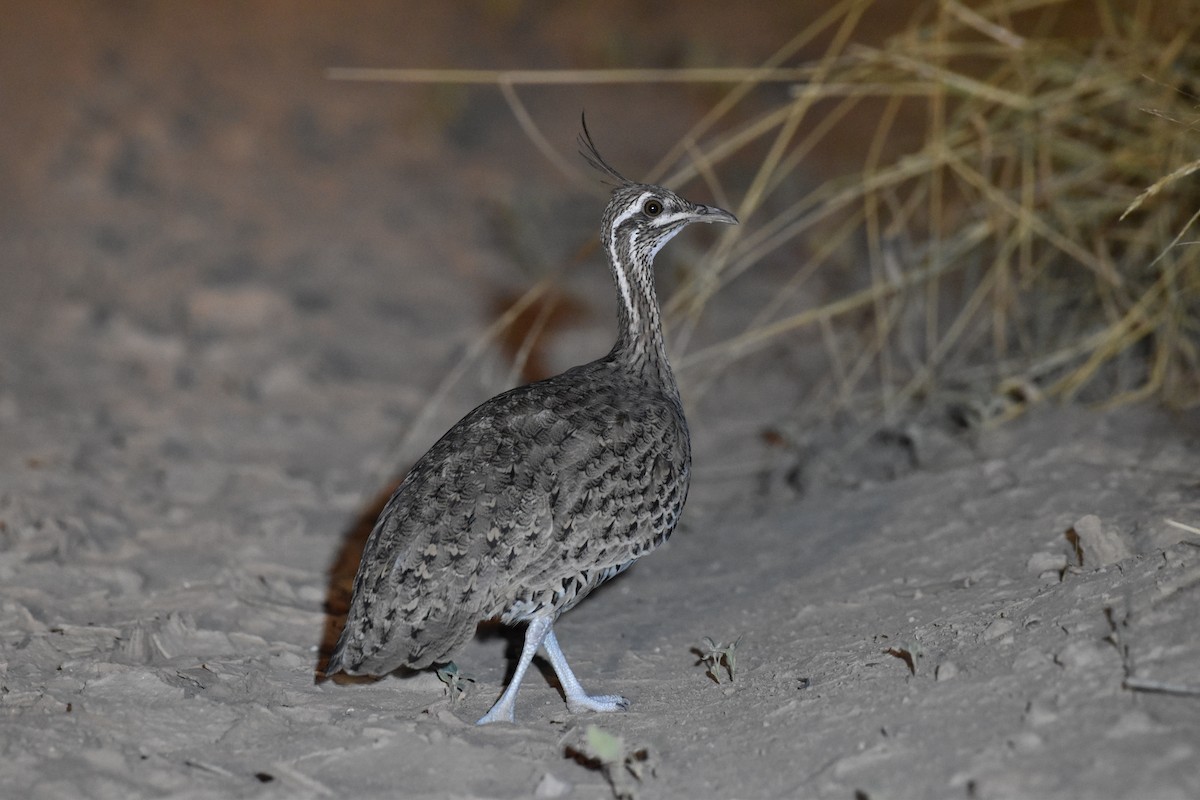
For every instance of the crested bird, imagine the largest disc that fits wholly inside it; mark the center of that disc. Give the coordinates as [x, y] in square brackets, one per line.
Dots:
[542, 493]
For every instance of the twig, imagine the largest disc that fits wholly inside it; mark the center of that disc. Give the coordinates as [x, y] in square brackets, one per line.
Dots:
[1161, 687]
[1182, 527]
[571, 77]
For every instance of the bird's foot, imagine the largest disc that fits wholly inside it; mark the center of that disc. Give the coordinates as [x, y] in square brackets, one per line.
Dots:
[501, 712]
[596, 702]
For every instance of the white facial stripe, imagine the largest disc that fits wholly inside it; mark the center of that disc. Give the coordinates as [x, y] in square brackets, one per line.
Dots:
[622, 280]
[633, 312]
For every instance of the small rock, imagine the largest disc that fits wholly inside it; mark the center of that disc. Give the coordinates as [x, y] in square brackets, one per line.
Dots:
[290, 661]
[1081, 655]
[550, 786]
[1026, 742]
[998, 628]
[106, 760]
[1039, 563]
[135, 644]
[998, 476]
[1029, 659]
[1038, 714]
[1095, 546]
[947, 670]
[1133, 723]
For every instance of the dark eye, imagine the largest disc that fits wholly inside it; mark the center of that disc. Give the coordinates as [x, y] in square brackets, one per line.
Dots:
[652, 208]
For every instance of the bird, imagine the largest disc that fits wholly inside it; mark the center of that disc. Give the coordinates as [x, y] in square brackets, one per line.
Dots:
[543, 492]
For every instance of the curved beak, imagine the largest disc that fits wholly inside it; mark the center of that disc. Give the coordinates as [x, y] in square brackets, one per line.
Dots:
[714, 214]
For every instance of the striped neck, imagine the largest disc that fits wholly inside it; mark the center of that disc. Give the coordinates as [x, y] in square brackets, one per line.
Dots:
[640, 344]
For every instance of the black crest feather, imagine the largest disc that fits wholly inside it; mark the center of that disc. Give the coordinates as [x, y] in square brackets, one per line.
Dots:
[587, 149]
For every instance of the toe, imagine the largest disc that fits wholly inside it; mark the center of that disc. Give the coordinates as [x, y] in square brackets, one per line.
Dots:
[601, 702]
[498, 713]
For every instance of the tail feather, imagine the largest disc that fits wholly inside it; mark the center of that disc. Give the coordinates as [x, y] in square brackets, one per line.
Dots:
[336, 662]
[410, 648]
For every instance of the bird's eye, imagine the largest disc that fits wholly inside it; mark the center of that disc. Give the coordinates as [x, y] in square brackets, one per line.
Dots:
[652, 208]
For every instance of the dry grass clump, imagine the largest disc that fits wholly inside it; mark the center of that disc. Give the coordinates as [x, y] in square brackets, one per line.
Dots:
[1018, 222]
[1011, 243]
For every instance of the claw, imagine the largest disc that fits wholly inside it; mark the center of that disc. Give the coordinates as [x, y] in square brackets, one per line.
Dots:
[597, 702]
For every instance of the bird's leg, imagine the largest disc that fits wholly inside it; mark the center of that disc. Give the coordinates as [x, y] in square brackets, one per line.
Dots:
[577, 699]
[535, 633]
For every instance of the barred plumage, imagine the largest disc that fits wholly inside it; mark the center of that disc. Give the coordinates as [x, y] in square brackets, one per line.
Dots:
[543, 492]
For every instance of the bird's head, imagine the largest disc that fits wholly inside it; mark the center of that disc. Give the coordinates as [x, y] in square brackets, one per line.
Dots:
[641, 217]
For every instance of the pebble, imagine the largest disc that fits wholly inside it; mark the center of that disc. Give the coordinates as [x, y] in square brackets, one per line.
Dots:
[1026, 742]
[1099, 547]
[1029, 659]
[998, 628]
[550, 786]
[1044, 562]
[1038, 714]
[945, 671]
[1081, 655]
[1133, 723]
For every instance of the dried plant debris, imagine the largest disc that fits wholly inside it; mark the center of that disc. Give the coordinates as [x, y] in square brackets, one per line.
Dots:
[715, 655]
[908, 652]
[455, 681]
[625, 767]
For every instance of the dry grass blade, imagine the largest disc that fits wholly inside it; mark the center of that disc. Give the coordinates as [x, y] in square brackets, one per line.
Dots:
[1159, 185]
[572, 77]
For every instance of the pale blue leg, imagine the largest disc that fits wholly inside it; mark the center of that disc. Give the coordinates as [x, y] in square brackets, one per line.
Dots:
[577, 699]
[503, 710]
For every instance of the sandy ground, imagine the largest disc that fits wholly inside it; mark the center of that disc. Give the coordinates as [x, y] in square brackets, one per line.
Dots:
[230, 289]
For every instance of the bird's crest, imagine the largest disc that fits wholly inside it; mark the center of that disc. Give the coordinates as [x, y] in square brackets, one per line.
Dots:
[587, 149]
